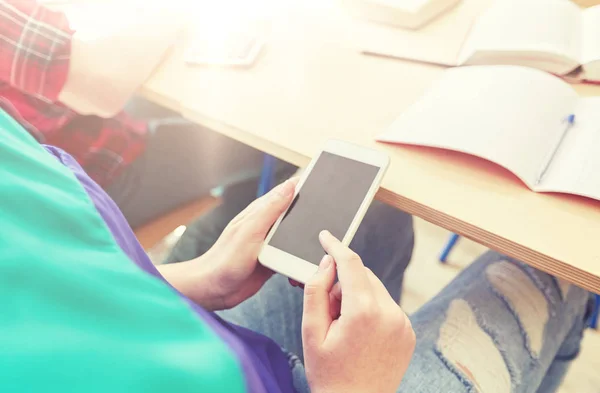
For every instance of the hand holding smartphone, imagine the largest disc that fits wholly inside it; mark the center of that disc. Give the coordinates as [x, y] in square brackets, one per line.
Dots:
[333, 194]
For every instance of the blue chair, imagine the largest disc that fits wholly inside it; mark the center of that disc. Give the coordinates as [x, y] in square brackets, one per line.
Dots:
[594, 318]
[267, 176]
[448, 248]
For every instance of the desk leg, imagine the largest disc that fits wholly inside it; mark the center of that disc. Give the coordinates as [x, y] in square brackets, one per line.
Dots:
[266, 176]
[448, 248]
[594, 318]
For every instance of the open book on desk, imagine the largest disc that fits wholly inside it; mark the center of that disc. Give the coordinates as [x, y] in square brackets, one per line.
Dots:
[553, 35]
[556, 36]
[528, 121]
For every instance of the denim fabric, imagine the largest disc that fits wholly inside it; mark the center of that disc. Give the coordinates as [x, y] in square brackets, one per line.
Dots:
[441, 364]
[384, 240]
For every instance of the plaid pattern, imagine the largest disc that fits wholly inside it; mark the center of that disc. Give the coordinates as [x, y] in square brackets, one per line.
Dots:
[35, 47]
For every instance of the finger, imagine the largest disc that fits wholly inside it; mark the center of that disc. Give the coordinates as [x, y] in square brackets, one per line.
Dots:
[335, 301]
[259, 202]
[380, 292]
[350, 269]
[268, 208]
[316, 317]
[295, 179]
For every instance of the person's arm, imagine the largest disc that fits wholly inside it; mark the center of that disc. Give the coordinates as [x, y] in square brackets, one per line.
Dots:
[35, 47]
[115, 48]
[229, 272]
[355, 318]
[91, 58]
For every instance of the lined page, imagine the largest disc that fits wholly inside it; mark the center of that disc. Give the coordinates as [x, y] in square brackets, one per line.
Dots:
[518, 27]
[506, 114]
[576, 165]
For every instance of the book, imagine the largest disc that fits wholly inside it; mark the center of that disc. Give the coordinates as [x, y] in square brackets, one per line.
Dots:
[552, 35]
[556, 36]
[439, 42]
[410, 14]
[526, 120]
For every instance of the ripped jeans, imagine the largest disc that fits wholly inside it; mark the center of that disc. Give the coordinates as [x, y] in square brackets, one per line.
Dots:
[499, 327]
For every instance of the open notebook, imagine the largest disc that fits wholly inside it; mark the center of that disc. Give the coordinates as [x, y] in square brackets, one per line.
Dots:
[552, 35]
[516, 117]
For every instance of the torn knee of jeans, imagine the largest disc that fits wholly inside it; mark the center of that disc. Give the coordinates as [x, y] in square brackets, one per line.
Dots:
[525, 300]
[470, 352]
[542, 281]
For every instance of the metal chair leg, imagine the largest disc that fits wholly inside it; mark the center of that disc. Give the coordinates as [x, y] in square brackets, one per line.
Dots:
[594, 317]
[266, 176]
[448, 248]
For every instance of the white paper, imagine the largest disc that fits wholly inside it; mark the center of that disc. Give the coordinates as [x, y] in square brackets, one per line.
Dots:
[506, 114]
[590, 53]
[575, 168]
[590, 35]
[523, 31]
[438, 42]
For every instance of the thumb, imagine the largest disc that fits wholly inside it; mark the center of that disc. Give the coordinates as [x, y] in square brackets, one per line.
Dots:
[317, 316]
[268, 208]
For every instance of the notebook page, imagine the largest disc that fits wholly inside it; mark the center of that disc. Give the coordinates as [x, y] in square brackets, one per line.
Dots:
[590, 36]
[438, 42]
[527, 32]
[506, 114]
[575, 168]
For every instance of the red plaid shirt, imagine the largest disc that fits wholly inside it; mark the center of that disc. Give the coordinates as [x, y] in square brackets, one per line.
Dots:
[35, 47]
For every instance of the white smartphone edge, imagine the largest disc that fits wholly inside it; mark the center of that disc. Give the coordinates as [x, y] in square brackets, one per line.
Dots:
[297, 268]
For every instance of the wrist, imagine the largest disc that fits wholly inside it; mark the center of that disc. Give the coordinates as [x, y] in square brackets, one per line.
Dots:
[194, 281]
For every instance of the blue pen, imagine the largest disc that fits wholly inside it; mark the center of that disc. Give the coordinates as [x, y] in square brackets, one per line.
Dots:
[570, 120]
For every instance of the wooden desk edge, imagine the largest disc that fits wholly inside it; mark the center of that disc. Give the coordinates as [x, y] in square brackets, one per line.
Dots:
[544, 263]
[539, 261]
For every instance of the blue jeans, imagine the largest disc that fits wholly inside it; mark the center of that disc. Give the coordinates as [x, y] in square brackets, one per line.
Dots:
[384, 241]
[500, 326]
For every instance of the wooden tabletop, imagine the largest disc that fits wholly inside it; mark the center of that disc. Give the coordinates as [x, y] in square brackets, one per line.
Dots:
[311, 84]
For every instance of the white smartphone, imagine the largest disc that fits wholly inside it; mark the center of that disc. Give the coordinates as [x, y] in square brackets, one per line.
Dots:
[333, 194]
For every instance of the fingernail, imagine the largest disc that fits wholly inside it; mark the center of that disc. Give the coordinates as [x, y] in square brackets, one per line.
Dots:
[324, 235]
[286, 189]
[325, 263]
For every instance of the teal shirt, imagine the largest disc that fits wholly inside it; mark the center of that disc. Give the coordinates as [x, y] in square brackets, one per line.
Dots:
[77, 313]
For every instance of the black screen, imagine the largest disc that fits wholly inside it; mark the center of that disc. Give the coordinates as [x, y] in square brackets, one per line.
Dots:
[329, 199]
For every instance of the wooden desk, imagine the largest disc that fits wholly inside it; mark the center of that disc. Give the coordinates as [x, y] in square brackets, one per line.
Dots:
[311, 84]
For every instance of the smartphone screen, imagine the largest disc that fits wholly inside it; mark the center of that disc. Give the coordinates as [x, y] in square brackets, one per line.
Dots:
[329, 199]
